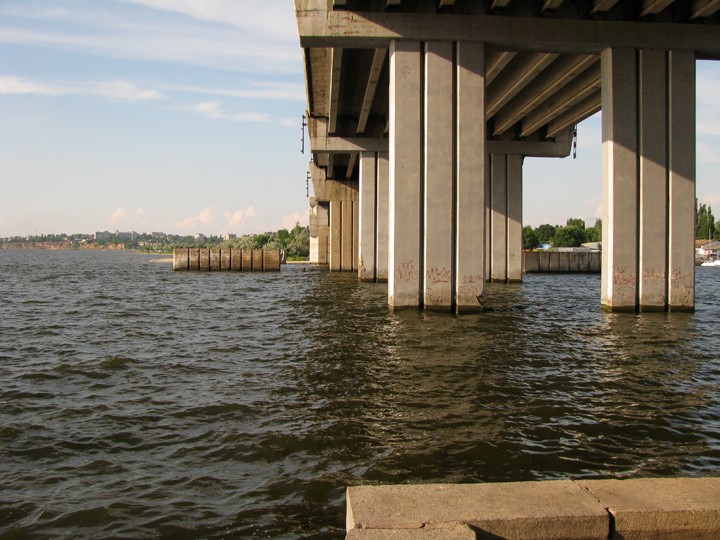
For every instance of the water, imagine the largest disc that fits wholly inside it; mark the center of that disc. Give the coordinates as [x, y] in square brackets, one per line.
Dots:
[138, 402]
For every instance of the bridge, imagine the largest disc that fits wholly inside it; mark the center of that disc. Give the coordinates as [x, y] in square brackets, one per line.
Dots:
[420, 113]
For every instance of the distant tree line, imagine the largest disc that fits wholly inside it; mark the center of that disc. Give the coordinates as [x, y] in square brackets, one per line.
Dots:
[295, 243]
[573, 234]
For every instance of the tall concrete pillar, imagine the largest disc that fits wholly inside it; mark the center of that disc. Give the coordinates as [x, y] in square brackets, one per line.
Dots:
[373, 217]
[319, 231]
[405, 270]
[681, 181]
[648, 179]
[382, 199]
[437, 197]
[438, 172]
[335, 236]
[471, 182]
[652, 195]
[505, 222]
[355, 235]
[368, 220]
[346, 236]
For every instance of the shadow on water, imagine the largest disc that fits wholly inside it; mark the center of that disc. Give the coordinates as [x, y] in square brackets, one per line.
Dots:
[147, 403]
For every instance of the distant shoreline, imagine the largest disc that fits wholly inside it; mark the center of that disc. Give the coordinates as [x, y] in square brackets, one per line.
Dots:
[57, 246]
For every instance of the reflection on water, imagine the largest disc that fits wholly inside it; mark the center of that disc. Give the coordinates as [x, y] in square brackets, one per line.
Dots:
[137, 401]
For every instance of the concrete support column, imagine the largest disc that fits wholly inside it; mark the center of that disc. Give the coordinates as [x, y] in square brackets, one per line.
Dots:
[437, 198]
[471, 182]
[346, 234]
[373, 217]
[648, 179]
[335, 236]
[438, 172]
[319, 232]
[681, 181]
[368, 219]
[505, 222]
[406, 179]
[382, 200]
[355, 235]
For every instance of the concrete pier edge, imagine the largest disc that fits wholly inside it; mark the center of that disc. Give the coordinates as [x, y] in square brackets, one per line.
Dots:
[667, 508]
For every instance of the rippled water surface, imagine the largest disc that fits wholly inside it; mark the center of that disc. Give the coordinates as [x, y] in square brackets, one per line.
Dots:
[138, 402]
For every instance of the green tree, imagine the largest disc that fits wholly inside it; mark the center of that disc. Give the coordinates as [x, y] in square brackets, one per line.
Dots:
[704, 222]
[576, 222]
[530, 238]
[545, 233]
[570, 236]
[594, 233]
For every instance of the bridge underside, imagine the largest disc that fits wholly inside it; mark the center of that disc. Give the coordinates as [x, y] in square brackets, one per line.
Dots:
[420, 113]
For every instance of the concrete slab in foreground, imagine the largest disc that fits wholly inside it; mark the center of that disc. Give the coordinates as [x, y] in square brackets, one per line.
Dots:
[680, 508]
[531, 510]
[667, 508]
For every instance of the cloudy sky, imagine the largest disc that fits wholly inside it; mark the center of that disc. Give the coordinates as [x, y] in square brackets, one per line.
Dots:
[183, 116]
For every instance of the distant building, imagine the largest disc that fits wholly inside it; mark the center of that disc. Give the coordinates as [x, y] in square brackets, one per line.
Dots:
[200, 237]
[228, 236]
[709, 249]
[103, 235]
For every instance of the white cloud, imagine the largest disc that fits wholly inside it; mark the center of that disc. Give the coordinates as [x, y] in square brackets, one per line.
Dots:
[205, 217]
[213, 110]
[251, 36]
[266, 90]
[289, 221]
[237, 219]
[117, 216]
[121, 90]
[267, 17]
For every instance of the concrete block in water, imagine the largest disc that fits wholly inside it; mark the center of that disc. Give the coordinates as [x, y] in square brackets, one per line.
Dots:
[194, 259]
[215, 259]
[247, 260]
[225, 254]
[257, 260]
[271, 260]
[204, 259]
[181, 259]
[236, 260]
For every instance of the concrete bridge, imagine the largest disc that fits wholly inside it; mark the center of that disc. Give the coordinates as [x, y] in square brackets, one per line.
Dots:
[420, 113]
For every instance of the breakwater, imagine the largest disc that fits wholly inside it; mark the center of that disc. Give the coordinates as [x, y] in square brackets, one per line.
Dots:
[226, 260]
[587, 262]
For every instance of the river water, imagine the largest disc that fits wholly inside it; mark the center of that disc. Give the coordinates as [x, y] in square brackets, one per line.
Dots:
[138, 402]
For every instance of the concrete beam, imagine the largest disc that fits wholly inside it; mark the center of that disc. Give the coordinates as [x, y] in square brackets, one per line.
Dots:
[496, 62]
[553, 79]
[576, 114]
[375, 70]
[322, 142]
[652, 7]
[600, 6]
[549, 5]
[319, 28]
[348, 145]
[584, 86]
[335, 76]
[514, 78]
[704, 8]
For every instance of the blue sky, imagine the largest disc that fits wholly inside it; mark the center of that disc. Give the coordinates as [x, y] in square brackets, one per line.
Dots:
[183, 116]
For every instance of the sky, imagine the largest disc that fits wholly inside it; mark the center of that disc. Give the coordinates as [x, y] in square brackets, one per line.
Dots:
[183, 116]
